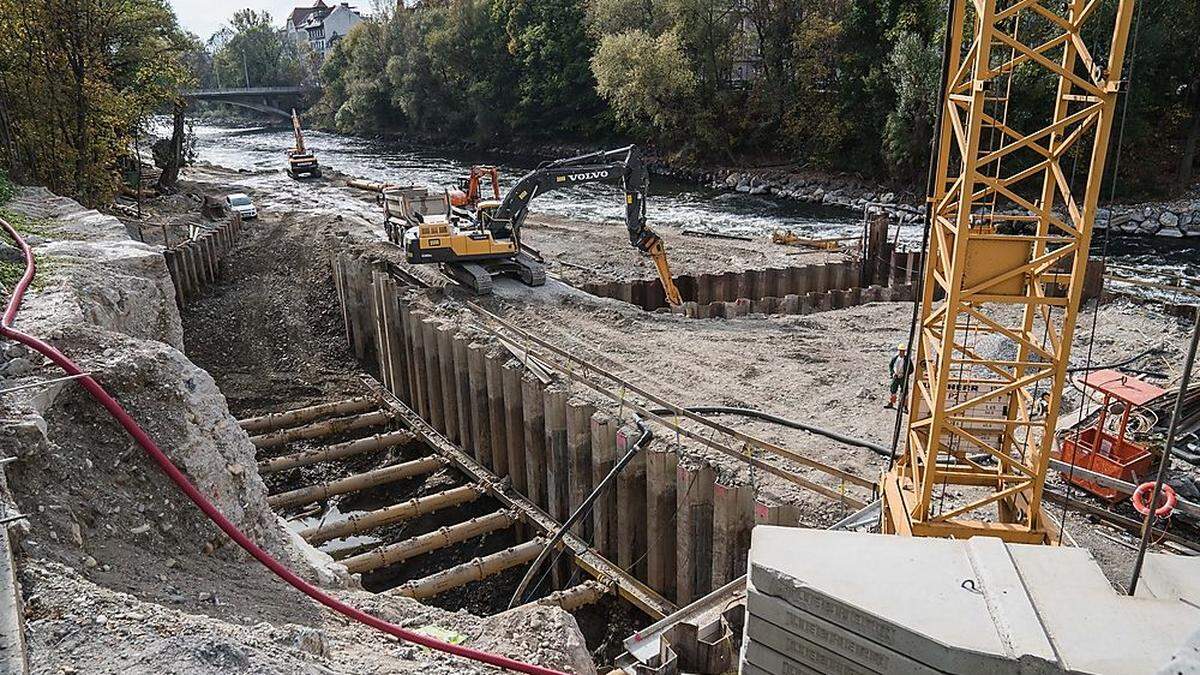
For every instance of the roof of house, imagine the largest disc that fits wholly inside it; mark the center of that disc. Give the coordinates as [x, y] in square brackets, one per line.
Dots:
[300, 15]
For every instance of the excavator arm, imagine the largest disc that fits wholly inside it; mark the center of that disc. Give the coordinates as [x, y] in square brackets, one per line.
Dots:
[299, 150]
[604, 166]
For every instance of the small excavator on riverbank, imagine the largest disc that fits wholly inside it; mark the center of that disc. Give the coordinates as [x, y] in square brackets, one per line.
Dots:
[470, 189]
[301, 162]
[473, 246]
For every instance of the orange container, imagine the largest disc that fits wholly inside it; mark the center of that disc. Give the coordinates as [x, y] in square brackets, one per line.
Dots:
[1115, 456]
[1101, 452]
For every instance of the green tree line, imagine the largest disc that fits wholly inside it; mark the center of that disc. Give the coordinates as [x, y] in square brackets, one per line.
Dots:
[839, 84]
[79, 81]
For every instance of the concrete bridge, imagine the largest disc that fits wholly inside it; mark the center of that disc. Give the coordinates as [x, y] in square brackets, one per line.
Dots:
[270, 100]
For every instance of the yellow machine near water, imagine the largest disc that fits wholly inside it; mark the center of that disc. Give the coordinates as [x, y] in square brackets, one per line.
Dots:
[473, 246]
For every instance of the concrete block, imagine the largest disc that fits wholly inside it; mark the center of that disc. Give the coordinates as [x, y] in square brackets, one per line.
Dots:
[777, 624]
[978, 605]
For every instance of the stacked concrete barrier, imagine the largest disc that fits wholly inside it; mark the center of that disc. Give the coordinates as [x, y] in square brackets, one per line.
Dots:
[846, 602]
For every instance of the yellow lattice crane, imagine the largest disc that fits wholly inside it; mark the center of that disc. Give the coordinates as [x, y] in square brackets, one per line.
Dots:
[1011, 214]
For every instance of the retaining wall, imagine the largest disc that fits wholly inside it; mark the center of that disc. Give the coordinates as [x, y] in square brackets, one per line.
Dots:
[664, 520]
[196, 263]
[792, 290]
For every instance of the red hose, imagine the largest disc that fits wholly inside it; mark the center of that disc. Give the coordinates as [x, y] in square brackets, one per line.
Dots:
[114, 408]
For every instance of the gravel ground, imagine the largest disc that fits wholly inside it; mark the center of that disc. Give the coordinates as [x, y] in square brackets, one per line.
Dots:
[277, 341]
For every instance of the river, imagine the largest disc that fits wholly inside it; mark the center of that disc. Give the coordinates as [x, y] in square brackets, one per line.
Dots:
[259, 151]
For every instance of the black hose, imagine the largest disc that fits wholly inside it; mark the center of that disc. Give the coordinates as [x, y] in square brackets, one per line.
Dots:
[583, 510]
[768, 417]
[1080, 369]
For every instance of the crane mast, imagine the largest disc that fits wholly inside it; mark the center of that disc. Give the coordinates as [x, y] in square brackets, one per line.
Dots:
[1011, 215]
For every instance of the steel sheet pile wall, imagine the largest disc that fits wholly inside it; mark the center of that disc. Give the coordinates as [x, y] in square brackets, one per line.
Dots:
[793, 290]
[673, 525]
[196, 263]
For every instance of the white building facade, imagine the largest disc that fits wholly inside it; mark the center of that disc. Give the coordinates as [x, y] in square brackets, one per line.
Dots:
[322, 25]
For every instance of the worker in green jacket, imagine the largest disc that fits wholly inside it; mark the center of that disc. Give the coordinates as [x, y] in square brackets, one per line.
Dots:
[898, 368]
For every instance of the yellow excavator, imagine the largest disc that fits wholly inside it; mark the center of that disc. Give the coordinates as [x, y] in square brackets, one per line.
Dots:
[473, 247]
[301, 162]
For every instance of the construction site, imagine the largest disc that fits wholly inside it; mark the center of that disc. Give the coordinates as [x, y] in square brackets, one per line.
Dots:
[362, 426]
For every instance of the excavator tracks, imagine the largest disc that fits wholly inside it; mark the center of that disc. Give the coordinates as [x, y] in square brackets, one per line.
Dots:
[472, 275]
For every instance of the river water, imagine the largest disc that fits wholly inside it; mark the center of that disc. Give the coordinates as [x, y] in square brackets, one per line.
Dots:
[260, 151]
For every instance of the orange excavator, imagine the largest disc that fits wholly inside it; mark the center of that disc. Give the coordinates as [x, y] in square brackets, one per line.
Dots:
[470, 192]
[301, 162]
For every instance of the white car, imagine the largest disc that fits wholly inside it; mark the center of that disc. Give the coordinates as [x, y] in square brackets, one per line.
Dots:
[241, 204]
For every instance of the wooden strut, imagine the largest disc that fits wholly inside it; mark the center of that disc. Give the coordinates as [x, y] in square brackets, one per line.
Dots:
[319, 430]
[581, 369]
[340, 451]
[591, 562]
[362, 481]
[431, 541]
[291, 418]
[475, 570]
[417, 506]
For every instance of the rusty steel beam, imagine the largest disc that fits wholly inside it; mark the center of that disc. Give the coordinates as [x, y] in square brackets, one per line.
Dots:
[417, 506]
[432, 541]
[362, 481]
[591, 562]
[319, 429]
[331, 452]
[291, 418]
[581, 370]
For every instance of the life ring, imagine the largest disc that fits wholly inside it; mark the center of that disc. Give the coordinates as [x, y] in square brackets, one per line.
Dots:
[1141, 498]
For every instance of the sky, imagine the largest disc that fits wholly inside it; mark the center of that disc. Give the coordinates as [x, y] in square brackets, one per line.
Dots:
[205, 17]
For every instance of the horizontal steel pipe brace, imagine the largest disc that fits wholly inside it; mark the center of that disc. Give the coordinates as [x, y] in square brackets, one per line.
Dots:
[292, 418]
[339, 451]
[417, 506]
[319, 430]
[362, 481]
[591, 562]
[475, 570]
[570, 599]
[432, 541]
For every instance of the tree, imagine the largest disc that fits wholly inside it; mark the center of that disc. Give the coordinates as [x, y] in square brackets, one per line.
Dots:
[645, 79]
[257, 54]
[78, 79]
[916, 77]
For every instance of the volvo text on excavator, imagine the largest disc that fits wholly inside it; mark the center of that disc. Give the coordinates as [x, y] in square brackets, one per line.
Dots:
[473, 247]
[301, 162]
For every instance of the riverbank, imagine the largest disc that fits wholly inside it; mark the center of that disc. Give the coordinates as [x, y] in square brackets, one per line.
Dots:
[1178, 217]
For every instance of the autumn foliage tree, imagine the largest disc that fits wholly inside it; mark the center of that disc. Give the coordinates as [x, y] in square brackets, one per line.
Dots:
[78, 80]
